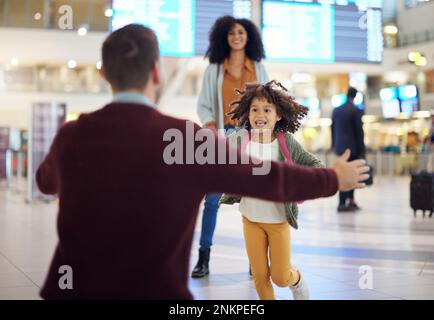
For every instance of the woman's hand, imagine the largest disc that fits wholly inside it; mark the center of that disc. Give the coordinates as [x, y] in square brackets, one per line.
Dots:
[210, 125]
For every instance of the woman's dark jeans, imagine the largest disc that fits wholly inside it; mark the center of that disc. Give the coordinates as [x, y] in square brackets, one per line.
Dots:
[209, 218]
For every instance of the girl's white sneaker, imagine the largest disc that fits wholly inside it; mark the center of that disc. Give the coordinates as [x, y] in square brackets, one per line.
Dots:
[300, 291]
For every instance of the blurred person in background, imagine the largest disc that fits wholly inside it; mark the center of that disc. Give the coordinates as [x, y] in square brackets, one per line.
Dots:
[429, 144]
[235, 52]
[347, 133]
[430, 138]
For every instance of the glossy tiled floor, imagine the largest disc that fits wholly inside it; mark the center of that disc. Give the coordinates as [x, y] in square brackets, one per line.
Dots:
[330, 249]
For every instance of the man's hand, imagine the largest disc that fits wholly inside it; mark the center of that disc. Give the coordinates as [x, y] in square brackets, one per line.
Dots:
[350, 174]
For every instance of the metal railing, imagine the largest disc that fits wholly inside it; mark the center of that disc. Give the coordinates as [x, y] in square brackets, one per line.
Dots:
[389, 163]
[16, 173]
[415, 38]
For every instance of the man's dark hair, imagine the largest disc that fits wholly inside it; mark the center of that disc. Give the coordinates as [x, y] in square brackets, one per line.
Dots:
[128, 55]
[218, 49]
[352, 92]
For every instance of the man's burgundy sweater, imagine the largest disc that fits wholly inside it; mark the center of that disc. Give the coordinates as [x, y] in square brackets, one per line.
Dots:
[126, 218]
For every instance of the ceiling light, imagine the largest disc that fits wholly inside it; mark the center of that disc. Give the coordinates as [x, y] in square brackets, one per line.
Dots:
[420, 61]
[72, 64]
[14, 61]
[82, 31]
[390, 29]
[412, 56]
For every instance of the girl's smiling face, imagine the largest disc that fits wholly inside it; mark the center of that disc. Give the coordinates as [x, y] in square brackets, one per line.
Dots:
[263, 115]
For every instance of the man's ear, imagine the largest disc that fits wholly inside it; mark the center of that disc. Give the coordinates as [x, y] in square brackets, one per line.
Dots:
[102, 73]
[156, 73]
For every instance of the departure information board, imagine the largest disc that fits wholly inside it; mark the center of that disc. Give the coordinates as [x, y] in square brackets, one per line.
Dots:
[171, 20]
[390, 102]
[182, 26]
[409, 97]
[323, 31]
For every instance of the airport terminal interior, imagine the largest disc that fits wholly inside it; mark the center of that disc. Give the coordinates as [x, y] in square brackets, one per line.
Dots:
[50, 62]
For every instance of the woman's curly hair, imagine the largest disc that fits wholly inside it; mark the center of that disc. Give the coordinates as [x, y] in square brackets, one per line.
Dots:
[274, 92]
[218, 49]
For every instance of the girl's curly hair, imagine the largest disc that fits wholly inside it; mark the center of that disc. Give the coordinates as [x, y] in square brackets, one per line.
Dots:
[274, 92]
[218, 49]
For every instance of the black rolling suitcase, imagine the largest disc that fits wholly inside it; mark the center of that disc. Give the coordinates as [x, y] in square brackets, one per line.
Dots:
[422, 192]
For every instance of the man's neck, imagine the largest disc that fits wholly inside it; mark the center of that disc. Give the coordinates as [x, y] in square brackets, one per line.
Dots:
[149, 95]
[133, 96]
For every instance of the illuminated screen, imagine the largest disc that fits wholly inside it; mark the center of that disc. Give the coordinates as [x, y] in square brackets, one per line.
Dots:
[317, 31]
[182, 26]
[389, 102]
[339, 99]
[408, 95]
[312, 104]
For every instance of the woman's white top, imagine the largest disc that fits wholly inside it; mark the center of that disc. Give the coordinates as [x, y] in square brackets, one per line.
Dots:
[257, 210]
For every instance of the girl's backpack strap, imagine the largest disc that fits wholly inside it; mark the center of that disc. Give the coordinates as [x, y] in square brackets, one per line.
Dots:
[284, 147]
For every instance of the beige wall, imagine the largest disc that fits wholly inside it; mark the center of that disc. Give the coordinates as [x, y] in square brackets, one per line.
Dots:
[415, 20]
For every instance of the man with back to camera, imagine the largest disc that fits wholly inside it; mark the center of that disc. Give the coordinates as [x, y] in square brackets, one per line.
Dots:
[126, 218]
[347, 133]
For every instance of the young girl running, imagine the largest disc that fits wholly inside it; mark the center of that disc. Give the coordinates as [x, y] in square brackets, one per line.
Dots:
[270, 115]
